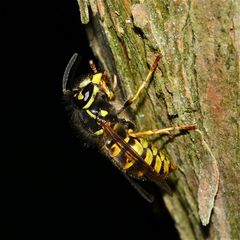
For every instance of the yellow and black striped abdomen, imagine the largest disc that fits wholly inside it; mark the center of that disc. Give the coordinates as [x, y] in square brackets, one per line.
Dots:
[155, 160]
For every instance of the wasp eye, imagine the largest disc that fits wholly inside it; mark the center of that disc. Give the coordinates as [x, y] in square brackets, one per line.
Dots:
[83, 95]
[86, 96]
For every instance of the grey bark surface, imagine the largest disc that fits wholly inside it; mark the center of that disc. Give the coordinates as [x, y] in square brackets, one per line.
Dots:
[196, 82]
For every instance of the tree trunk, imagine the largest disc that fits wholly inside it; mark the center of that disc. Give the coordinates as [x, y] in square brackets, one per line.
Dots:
[196, 82]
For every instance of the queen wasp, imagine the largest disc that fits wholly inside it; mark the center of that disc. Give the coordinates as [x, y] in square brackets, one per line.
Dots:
[89, 100]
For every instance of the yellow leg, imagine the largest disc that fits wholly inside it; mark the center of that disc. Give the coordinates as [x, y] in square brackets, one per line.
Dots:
[105, 88]
[161, 131]
[132, 99]
[102, 82]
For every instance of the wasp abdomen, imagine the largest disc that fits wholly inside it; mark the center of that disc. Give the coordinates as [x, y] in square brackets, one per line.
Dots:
[157, 161]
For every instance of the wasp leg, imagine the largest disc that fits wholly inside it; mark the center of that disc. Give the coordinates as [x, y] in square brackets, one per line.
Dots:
[110, 80]
[126, 123]
[164, 131]
[103, 81]
[105, 88]
[144, 83]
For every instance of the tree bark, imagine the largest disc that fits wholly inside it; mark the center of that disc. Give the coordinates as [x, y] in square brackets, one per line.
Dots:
[196, 82]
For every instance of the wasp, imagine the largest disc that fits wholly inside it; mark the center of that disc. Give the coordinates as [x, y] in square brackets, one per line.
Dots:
[89, 101]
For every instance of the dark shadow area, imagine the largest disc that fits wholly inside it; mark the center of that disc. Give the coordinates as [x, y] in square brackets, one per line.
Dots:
[51, 185]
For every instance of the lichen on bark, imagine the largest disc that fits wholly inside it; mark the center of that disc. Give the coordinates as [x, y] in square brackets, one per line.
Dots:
[197, 81]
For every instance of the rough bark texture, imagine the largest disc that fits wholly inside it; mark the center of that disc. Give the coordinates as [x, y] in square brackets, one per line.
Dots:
[197, 81]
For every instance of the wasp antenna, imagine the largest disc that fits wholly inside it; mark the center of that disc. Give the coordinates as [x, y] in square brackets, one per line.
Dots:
[67, 71]
[93, 66]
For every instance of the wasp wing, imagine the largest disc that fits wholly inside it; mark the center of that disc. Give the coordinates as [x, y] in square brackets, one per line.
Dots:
[139, 161]
[145, 194]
